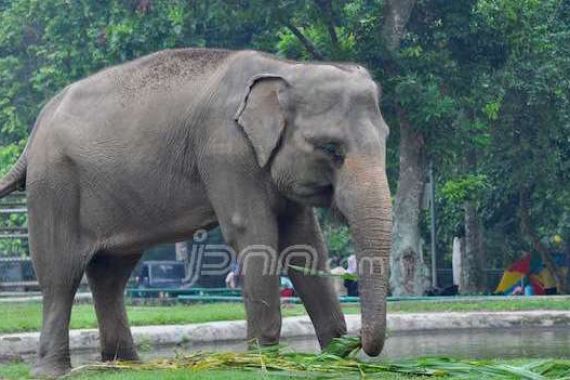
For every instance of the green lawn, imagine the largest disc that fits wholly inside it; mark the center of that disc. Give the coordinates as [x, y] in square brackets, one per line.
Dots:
[478, 304]
[21, 371]
[27, 316]
[22, 317]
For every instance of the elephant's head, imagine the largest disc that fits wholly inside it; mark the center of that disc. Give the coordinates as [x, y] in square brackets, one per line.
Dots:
[319, 131]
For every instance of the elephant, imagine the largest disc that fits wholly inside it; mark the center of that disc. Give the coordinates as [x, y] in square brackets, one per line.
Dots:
[152, 150]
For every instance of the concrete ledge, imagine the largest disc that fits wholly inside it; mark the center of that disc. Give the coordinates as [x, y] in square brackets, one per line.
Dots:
[16, 345]
[477, 320]
[79, 298]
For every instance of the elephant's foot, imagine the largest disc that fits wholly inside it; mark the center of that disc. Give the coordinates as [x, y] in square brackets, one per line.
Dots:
[126, 355]
[50, 370]
[255, 344]
[327, 334]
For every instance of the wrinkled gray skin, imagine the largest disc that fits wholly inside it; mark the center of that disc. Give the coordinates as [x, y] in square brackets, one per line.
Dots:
[152, 150]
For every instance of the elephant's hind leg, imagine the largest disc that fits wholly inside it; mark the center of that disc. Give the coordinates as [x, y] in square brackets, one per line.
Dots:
[59, 285]
[108, 275]
[59, 257]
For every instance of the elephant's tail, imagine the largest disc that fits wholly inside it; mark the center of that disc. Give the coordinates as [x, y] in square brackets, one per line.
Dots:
[16, 177]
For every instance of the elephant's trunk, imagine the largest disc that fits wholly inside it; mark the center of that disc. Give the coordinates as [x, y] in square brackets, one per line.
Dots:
[363, 196]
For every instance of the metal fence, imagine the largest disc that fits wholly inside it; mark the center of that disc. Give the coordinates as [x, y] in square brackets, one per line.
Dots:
[16, 272]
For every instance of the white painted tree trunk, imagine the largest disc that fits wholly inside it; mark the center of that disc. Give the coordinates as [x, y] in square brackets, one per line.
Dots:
[456, 256]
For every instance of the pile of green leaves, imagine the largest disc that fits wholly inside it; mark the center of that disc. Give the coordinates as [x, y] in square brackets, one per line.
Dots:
[339, 360]
[332, 366]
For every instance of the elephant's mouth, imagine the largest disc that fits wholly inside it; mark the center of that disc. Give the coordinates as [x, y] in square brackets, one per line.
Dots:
[312, 190]
[318, 195]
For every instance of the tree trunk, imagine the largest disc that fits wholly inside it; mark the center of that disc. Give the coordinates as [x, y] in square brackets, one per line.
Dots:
[473, 276]
[407, 268]
[457, 255]
[396, 16]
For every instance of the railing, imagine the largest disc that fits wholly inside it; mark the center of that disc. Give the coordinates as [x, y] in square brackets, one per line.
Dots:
[178, 292]
[16, 272]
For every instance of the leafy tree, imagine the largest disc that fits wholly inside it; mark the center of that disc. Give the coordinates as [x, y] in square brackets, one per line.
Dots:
[478, 88]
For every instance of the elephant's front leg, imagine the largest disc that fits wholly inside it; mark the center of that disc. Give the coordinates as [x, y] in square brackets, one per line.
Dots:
[256, 242]
[302, 245]
[252, 233]
[261, 292]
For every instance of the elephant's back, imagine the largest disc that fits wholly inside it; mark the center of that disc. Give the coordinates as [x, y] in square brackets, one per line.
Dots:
[144, 96]
[164, 73]
[164, 70]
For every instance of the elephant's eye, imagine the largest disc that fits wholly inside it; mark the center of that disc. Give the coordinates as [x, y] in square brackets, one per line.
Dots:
[333, 150]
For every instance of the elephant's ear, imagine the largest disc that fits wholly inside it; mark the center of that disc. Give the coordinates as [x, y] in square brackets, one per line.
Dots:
[261, 115]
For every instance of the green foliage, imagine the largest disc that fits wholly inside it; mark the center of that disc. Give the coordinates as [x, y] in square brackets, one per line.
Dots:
[336, 233]
[8, 156]
[484, 81]
[505, 65]
[347, 346]
[531, 119]
[15, 370]
[466, 188]
[338, 239]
